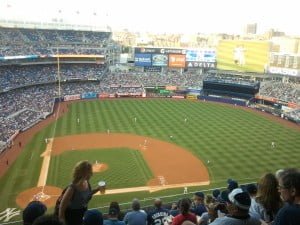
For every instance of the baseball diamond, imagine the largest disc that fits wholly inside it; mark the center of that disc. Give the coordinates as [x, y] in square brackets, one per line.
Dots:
[227, 135]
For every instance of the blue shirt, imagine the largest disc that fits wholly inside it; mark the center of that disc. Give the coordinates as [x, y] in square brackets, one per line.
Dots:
[113, 222]
[136, 218]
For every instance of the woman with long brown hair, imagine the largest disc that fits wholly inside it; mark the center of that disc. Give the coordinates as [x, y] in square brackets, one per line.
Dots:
[267, 201]
[78, 194]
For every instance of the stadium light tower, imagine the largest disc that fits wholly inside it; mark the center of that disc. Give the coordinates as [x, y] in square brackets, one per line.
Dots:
[58, 73]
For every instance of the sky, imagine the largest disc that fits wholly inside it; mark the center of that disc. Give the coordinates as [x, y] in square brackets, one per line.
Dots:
[189, 16]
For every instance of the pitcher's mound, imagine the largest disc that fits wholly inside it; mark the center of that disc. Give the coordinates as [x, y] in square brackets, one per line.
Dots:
[99, 167]
[47, 195]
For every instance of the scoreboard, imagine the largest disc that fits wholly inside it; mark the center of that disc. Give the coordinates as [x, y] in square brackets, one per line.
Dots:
[175, 58]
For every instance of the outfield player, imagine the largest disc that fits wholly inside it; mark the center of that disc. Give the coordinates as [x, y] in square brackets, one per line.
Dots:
[78, 120]
[272, 144]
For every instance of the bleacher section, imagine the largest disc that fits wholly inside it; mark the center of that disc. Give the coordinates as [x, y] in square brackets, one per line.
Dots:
[19, 41]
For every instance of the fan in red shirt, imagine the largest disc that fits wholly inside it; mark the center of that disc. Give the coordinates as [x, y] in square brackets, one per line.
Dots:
[185, 214]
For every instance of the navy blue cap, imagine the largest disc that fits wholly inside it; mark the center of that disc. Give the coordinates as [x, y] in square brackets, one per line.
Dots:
[251, 188]
[223, 197]
[199, 194]
[216, 193]
[232, 184]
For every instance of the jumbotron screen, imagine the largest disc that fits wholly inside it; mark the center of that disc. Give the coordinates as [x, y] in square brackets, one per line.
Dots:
[244, 56]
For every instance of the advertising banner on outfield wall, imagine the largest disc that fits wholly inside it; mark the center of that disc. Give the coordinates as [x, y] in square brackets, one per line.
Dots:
[177, 61]
[201, 55]
[201, 65]
[159, 60]
[152, 69]
[71, 97]
[285, 64]
[142, 59]
[103, 95]
[283, 71]
[89, 95]
[160, 50]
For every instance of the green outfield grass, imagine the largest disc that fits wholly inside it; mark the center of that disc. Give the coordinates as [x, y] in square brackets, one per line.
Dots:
[236, 142]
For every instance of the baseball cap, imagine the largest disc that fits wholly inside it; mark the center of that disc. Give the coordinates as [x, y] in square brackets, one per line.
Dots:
[232, 184]
[199, 194]
[32, 211]
[216, 193]
[251, 188]
[240, 198]
[93, 217]
[223, 196]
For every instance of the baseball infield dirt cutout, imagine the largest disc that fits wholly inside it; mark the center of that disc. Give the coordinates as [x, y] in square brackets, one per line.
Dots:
[179, 168]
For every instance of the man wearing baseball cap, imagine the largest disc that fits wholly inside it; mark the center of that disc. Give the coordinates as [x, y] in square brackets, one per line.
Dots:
[238, 208]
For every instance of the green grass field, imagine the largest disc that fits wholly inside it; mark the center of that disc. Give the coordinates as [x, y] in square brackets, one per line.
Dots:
[236, 142]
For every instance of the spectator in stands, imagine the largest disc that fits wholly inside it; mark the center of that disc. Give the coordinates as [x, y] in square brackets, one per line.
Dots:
[78, 194]
[113, 214]
[47, 220]
[216, 193]
[185, 214]
[93, 217]
[136, 216]
[113, 217]
[174, 211]
[198, 206]
[116, 206]
[32, 211]
[238, 209]
[267, 202]
[252, 190]
[232, 184]
[159, 215]
[289, 188]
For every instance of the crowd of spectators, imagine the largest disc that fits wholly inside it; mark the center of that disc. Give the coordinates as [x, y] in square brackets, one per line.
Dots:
[19, 76]
[153, 79]
[274, 200]
[289, 92]
[34, 87]
[17, 41]
[294, 115]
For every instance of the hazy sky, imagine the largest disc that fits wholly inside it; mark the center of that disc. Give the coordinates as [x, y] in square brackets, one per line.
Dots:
[162, 15]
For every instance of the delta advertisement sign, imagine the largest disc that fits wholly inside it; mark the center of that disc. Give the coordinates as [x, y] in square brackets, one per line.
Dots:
[201, 58]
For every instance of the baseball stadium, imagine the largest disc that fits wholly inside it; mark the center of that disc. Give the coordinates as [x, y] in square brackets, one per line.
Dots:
[165, 124]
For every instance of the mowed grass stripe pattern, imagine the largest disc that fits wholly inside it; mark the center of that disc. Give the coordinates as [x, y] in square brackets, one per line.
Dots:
[229, 138]
[236, 142]
[127, 167]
